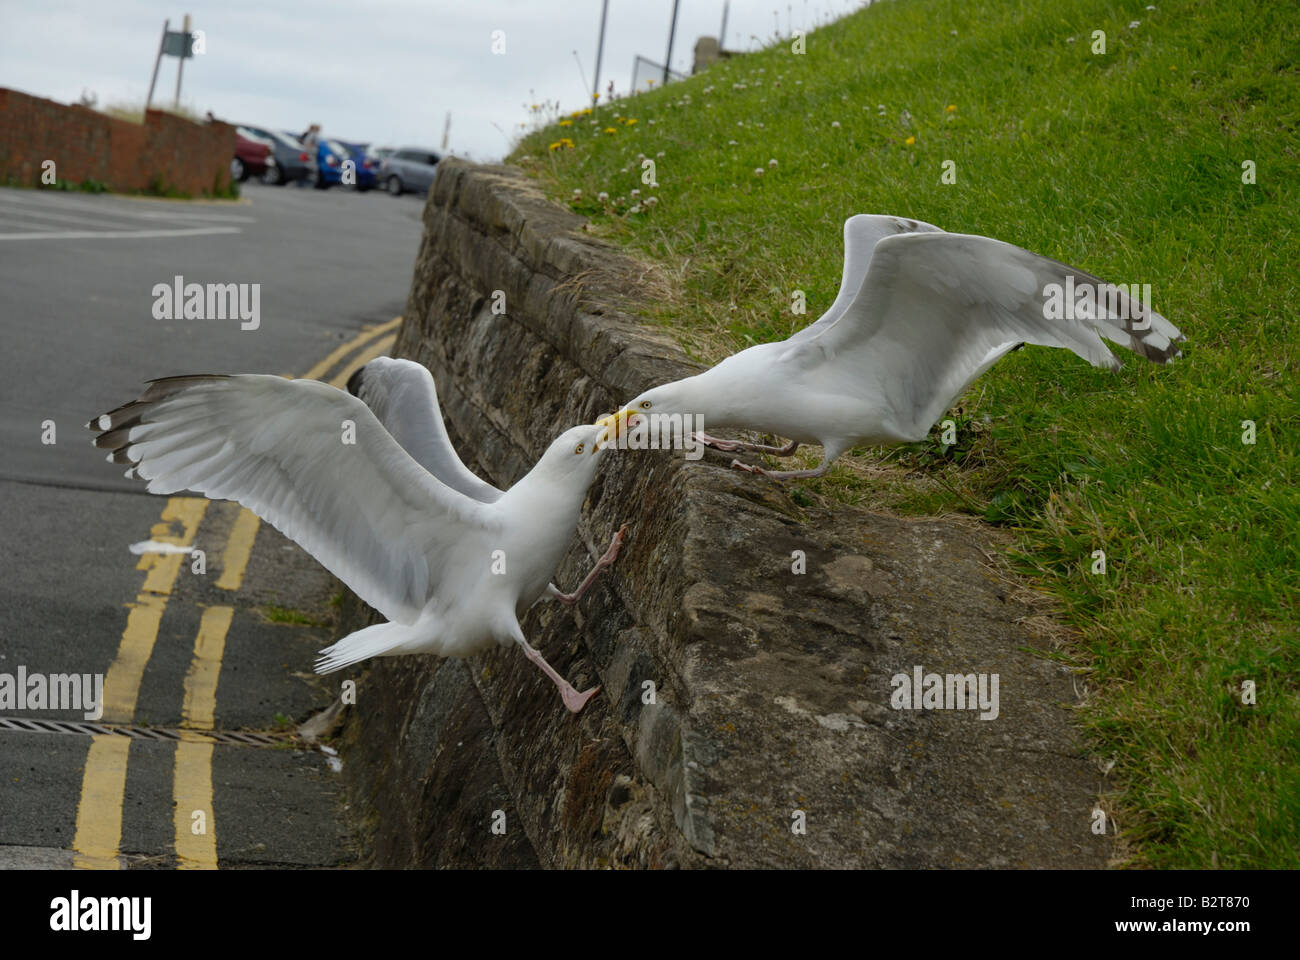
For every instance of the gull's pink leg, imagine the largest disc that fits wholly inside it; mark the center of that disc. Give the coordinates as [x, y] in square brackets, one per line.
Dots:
[605, 561]
[783, 474]
[731, 446]
[573, 700]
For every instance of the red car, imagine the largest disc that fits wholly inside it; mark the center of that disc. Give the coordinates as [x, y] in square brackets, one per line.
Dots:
[251, 159]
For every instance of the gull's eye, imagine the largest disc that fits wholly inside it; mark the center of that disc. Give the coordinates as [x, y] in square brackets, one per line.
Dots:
[645, 404]
[579, 448]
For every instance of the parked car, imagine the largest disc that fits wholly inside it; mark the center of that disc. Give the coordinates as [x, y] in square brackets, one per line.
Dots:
[409, 168]
[330, 157]
[367, 164]
[251, 158]
[292, 161]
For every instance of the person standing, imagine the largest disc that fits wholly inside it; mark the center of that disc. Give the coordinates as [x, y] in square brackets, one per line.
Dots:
[311, 143]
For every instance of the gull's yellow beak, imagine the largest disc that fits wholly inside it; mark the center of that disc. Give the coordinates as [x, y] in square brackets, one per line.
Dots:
[613, 425]
[614, 418]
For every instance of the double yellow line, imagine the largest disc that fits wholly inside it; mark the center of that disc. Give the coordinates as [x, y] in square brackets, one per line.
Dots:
[98, 838]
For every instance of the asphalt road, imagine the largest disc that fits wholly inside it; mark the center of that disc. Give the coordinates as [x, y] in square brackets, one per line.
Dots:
[187, 656]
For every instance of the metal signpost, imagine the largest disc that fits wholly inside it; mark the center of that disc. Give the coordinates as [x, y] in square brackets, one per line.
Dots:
[179, 44]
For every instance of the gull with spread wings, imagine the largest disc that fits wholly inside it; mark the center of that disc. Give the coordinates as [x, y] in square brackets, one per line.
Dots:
[919, 315]
[452, 563]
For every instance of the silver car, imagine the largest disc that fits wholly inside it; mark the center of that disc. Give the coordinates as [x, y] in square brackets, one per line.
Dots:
[409, 169]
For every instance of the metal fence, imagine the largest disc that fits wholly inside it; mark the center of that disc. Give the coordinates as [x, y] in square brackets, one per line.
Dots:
[646, 74]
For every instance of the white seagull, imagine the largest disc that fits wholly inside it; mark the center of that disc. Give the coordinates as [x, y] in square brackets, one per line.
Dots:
[920, 314]
[452, 573]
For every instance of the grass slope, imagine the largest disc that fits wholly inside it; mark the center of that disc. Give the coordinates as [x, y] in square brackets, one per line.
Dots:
[1129, 165]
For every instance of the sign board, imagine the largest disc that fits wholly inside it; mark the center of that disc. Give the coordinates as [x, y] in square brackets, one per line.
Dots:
[178, 44]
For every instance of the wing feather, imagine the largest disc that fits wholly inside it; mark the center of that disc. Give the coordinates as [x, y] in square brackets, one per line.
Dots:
[404, 397]
[937, 309]
[365, 509]
[861, 234]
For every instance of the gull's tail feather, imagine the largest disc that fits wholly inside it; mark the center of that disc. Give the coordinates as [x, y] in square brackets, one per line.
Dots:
[383, 639]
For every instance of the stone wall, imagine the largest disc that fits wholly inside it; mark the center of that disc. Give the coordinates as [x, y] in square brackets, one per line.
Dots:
[164, 152]
[772, 689]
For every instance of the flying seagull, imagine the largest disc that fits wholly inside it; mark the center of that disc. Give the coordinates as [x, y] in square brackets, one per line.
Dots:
[920, 314]
[452, 573]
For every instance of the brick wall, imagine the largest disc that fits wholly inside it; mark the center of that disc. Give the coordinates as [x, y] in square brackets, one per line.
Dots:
[166, 150]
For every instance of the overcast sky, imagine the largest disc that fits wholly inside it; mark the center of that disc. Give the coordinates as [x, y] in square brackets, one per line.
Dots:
[379, 71]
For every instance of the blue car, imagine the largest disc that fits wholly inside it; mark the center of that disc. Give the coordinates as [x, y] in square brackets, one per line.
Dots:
[330, 156]
[367, 164]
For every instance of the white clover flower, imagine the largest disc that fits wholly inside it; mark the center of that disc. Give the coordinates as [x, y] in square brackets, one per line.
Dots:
[577, 192]
[636, 192]
[651, 201]
[758, 171]
[731, 143]
[603, 197]
[1135, 24]
[635, 208]
[772, 162]
[835, 124]
[659, 154]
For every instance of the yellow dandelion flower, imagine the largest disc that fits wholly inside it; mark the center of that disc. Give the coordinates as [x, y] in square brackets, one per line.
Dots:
[586, 112]
[611, 130]
[595, 97]
[566, 141]
[631, 120]
[566, 123]
[554, 146]
[910, 140]
[951, 107]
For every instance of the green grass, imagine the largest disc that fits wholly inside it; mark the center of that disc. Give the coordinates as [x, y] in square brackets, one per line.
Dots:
[1127, 165]
[293, 617]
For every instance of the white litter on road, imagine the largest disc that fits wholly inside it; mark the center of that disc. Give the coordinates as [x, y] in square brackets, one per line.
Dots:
[156, 546]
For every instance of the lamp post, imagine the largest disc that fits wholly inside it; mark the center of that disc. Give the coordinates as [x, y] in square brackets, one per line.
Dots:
[672, 30]
[600, 50]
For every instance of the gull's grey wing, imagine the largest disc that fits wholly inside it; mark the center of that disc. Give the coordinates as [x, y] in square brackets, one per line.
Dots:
[937, 309]
[861, 234]
[403, 396]
[313, 462]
